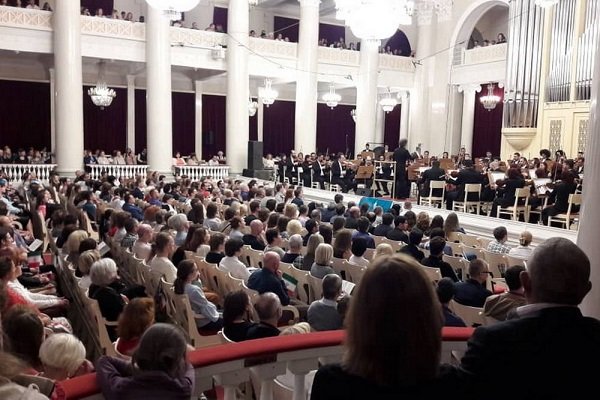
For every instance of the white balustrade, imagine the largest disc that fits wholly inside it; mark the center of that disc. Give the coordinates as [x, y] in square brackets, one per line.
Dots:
[330, 55]
[397, 63]
[274, 48]
[117, 28]
[118, 171]
[485, 54]
[26, 18]
[15, 172]
[197, 38]
[195, 173]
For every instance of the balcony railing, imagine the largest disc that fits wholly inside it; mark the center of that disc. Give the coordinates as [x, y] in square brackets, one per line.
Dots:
[135, 31]
[480, 55]
[228, 365]
[14, 172]
[195, 173]
[118, 171]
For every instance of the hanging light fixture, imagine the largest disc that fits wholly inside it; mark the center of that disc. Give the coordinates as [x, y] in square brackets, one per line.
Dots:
[267, 94]
[252, 3]
[388, 102]
[546, 3]
[490, 100]
[173, 8]
[101, 95]
[353, 113]
[252, 107]
[331, 98]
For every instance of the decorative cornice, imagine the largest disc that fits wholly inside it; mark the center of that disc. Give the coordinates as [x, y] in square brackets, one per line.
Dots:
[469, 88]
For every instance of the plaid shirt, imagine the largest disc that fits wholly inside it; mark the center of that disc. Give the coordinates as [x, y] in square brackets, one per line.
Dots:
[497, 247]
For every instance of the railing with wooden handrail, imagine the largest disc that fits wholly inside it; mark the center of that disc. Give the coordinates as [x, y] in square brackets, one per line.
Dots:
[228, 365]
[14, 172]
[197, 172]
[118, 171]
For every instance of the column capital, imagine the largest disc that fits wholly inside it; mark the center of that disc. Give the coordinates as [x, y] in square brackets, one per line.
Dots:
[469, 88]
[309, 3]
[130, 80]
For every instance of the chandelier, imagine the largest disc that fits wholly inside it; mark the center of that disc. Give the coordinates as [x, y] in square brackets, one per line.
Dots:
[376, 19]
[388, 102]
[252, 3]
[252, 107]
[546, 3]
[353, 113]
[173, 8]
[331, 98]
[490, 100]
[102, 96]
[267, 93]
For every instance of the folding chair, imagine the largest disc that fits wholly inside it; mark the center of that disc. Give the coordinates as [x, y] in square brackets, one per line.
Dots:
[431, 200]
[565, 219]
[466, 204]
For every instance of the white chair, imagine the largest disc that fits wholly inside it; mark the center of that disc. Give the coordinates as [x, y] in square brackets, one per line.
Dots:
[434, 274]
[510, 260]
[469, 240]
[516, 210]
[431, 200]
[466, 204]
[316, 288]
[565, 219]
[471, 315]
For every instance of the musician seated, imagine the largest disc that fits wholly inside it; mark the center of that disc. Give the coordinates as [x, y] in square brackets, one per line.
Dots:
[464, 176]
[559, 198]
[506, 190]
[435, 173]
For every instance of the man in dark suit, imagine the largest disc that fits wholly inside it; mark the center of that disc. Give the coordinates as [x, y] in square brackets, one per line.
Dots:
[472, 292]
[318, 168]
[338, 174]
[436, 248]
[382, 229]
[551, 345]
[401, 157]
[466, 175]
[435, 173]
[412, 248]
[399, 232]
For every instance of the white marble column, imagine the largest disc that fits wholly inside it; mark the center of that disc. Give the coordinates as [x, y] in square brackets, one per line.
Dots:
[131, 113]
[237, 85]
[379, 126]
[404, 115]
[366, 94]
[587, 238]
[468, 115]
[158, 93]
[260, 123]
[198, 120]
[68, 87]
[305, 138]
[52, 75]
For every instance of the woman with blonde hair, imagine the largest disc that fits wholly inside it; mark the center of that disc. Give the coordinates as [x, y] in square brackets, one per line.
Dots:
[399, 354]
[322, 264]
[84, 264]
[137, 316]
[291, 211]
[383, 249]
[423, 221]
[71, 246]
[294, 227]
[311, 247]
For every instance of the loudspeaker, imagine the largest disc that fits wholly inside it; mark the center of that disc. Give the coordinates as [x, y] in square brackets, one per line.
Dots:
[363, 192]
[255, 155]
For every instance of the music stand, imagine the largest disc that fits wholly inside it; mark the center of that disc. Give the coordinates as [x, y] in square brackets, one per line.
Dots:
[364, 172]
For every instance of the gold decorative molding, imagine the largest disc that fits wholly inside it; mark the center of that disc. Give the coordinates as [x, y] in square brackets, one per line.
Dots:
[519, 138]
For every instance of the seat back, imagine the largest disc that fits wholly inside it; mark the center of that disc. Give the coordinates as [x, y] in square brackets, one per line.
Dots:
[106, 345]
[468, 240]
[396, 245]
[302, 285]
[472, 316]
[510, 261]
[316, 288]
[434, 274]
[354, 272]
[472, 188]
[497, 263]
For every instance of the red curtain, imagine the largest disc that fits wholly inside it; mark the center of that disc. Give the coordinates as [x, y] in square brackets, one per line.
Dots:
[24, 114]
[335, 129]
[279, 127]
[213, 125]
[184, 122]
[391, 134]
[487, 129]
[105, 129]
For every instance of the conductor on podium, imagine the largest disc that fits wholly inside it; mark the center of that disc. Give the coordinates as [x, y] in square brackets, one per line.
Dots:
[401, 157]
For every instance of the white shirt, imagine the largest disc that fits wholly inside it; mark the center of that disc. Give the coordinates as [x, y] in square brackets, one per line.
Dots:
[522, 252]
[38, 299]
[234, 266]
[165, 267]
[360, 261]
[141, 250]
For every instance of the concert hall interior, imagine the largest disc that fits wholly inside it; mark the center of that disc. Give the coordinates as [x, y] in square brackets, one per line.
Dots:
[201, 147]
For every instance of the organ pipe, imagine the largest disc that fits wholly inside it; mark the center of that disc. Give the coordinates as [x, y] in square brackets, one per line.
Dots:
[526, 25]
[558, 84]
[587, 43]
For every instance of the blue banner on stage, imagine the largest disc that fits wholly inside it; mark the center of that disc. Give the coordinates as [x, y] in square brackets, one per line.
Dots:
[376, 202]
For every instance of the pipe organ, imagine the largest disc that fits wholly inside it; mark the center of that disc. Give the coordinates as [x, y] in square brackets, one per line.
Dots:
[588, 42]
[558, 83]
[522, 88]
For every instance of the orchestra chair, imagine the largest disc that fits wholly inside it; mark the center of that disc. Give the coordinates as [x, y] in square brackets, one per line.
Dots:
[565, 219]
[515, 211]
[431, 200]
[466, 205]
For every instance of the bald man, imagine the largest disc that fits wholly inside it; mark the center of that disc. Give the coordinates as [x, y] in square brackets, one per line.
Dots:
[255, 238]
[523, 250]
[268, 278]
[268, 308]
[551, 348]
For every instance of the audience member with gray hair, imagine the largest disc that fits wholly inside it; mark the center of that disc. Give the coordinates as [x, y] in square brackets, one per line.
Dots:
[523, 250]
[550, 344]
[180, 224]
[293, 255]
[322, 264]
[63, 357]
[323, 314]
[268, 308]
